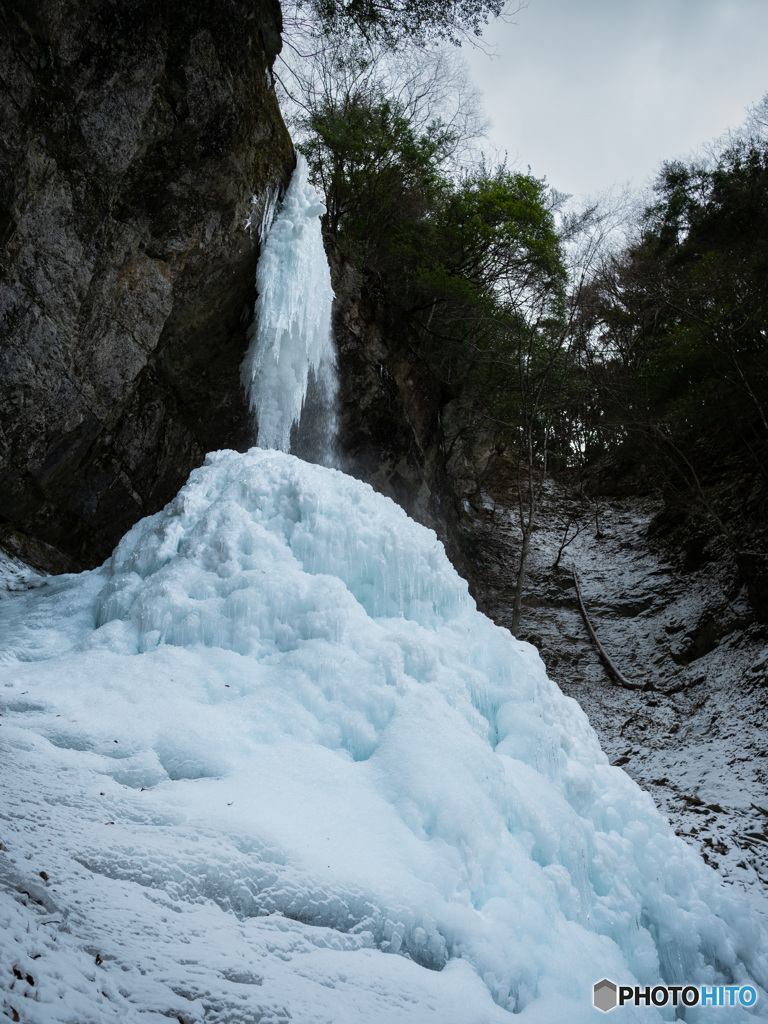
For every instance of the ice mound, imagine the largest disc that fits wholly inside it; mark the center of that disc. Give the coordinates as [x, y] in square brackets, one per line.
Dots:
[272, 741]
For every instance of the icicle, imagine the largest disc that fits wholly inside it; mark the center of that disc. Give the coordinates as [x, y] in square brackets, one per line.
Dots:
[262, 215]
[291, 347]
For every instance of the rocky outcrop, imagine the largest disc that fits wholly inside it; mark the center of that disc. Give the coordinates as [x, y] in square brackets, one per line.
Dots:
[389, 413]
[397, 430]
[133, 135]
[693, 733]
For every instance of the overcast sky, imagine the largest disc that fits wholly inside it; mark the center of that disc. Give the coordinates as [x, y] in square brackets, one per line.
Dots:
[596, 92]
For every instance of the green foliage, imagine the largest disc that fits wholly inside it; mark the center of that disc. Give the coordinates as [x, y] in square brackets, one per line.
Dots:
[488, 293]
[470, 267]
[374, 172]
[416, 21]
[697, 287]
[494, 233]
[677, 329]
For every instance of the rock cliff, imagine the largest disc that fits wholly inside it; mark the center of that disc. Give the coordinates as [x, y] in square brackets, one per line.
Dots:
[132, 137]
[389, 428]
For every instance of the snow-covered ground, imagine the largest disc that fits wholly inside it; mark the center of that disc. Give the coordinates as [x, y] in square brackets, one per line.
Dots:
[270, 764]
[15, 575]
[699, 741]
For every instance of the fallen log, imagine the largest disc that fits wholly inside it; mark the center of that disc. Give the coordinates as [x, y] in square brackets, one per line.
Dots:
[612, 670]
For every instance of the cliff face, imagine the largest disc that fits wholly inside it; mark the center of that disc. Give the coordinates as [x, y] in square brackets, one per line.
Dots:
[399, 432]
[132, 136]
[389, 413]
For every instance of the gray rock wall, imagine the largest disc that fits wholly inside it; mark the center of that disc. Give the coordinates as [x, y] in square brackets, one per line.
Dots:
[390, 411]
[132, 136]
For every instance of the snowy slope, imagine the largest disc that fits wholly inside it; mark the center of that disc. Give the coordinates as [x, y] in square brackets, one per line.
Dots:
[16, 575]
[269, 763]
[699, 741]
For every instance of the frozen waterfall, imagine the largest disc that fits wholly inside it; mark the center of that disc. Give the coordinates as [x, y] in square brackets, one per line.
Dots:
[290, 366]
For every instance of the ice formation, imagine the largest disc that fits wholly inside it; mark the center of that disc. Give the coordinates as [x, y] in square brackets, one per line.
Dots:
[290, 343]
[269, 763]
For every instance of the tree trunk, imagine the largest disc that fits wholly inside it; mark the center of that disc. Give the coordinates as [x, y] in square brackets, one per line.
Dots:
[518, 601]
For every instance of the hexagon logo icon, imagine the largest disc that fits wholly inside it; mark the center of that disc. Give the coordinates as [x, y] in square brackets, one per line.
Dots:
[604, 995]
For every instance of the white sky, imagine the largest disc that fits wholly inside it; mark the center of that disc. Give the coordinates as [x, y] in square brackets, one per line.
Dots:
[596, 92]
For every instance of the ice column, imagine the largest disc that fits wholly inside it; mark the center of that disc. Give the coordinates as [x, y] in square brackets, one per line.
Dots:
[291, 359]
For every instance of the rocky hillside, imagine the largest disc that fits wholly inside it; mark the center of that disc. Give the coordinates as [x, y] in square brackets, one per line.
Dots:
[133, 136]
[694, 734]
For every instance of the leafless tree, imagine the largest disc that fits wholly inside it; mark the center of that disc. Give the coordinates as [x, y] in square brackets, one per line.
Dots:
[426, 87]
